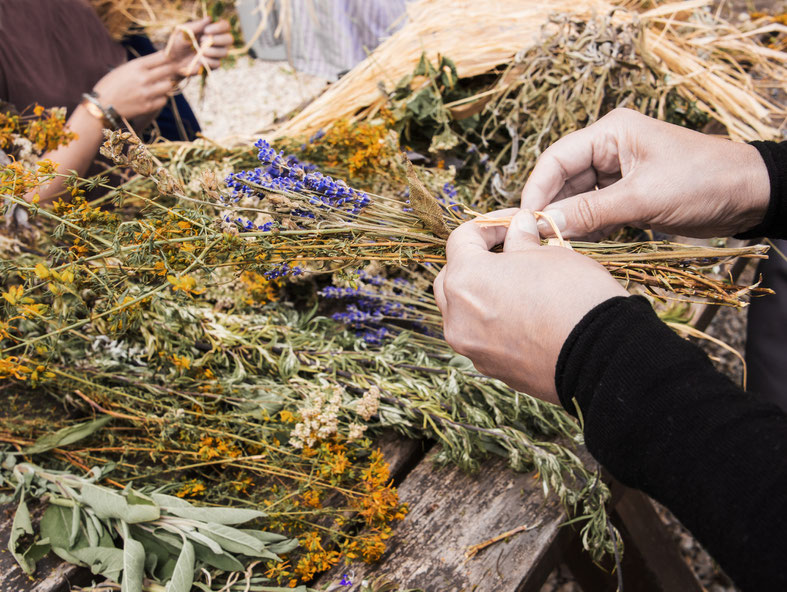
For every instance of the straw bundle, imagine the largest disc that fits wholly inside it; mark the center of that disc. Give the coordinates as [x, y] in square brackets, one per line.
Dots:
[693, 49]
[705, 58]
[478, 35]
[154, 16]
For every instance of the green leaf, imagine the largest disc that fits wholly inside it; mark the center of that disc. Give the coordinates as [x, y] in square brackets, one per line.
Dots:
[264, 536]
[67, 436]
[133, 565]
[236, 541]
[157, 553]
[108, 504]
[35, 550]
[183, 576]
[183, 509]
[284, 547]
[288, 364]
[57, 524]
[222, 561]
[107, 561]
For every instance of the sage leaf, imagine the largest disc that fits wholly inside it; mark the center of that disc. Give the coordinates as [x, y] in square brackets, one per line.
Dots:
[133, 565]
[107, 561]
[288, 364]
[264, 536]
[19, 528]
[222, 561]
[108, 504]
[183, 509]
[284, 547]
[236, 541]
[67, 436]
[183, 575]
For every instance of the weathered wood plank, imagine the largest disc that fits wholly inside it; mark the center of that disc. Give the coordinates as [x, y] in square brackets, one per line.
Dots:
[451, 511]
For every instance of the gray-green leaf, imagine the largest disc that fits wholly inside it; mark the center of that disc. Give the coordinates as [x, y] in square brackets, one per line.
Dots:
[133, 565]
[20, 527]
[183, 509]
[183, 576]
[107, 561]
[236, 541]
[67, 436]
[108, 504]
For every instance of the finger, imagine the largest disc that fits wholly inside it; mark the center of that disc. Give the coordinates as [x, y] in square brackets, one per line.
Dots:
[439, 292]
[197, 27]
[471, 237]
[215, 53]
[221, 26]
[522, 233]
[218, 41]
[163, 71]
[584, 181]
[569, 156]
[153, 60]
[594, 211]
[162, 89]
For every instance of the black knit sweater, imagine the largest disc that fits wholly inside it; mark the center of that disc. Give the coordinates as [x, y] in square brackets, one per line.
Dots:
[661, 419]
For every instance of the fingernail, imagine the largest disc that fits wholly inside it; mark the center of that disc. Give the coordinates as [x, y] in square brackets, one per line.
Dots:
[526, 222]
[559, 219]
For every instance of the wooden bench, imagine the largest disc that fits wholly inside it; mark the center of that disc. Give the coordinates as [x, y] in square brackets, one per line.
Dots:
[450, 513]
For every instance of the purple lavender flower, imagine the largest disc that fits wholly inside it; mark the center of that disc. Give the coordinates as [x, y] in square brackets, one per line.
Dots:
[370, 304]
[287, 174]
[346, 581]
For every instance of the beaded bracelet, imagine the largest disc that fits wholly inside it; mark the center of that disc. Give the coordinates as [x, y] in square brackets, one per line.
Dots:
[107, 115]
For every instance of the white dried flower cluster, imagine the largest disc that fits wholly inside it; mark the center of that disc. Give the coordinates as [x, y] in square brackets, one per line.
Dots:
[24, 149]
[319, 419]
[369, 403]
[356, 431]
[119, 351]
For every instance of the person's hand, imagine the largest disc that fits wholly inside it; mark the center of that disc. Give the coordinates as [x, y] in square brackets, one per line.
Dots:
[214, 41]
[511, 312]
[139, 87]
[650, 174]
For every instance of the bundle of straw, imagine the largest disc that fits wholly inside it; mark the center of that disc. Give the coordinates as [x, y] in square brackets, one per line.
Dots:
[481, 35]
[154, 16]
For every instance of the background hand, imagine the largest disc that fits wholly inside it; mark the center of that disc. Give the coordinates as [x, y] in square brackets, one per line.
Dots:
[511, 312]
[138, 87]
[214, 39]
[651, 174]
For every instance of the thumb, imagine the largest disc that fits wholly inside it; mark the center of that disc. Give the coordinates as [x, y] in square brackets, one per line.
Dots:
[593, 211]
[522, 233]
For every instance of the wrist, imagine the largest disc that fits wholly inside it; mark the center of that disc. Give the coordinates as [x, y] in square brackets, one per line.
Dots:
[106, 114]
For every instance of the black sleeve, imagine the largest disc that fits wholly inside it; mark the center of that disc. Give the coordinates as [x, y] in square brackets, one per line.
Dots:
[774, 225]
[661, 419]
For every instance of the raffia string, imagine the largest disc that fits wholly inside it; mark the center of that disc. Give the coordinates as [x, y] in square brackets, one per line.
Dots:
[486, 221]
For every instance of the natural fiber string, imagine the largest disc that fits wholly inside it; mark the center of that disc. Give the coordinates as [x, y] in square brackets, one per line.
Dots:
[485, 221]
[199, 49]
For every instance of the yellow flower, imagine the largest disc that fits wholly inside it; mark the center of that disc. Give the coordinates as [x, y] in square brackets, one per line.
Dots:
[181, 362]
[15, 295]
[191, 489]
[42, 271]
[185, 283]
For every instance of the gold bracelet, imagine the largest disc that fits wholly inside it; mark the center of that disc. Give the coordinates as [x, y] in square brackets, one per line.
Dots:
[106, 115]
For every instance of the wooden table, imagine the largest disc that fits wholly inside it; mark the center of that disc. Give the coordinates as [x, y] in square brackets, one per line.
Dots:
[451, 511]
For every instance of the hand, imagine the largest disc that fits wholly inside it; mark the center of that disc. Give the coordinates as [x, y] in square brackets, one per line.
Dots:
[214, 40]
[511, 312]
[650, 174]
[138, 87]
